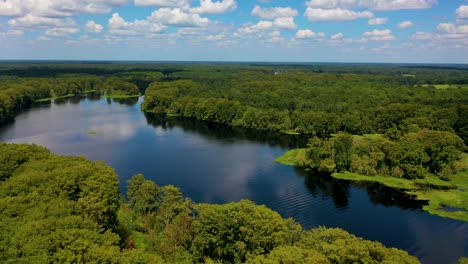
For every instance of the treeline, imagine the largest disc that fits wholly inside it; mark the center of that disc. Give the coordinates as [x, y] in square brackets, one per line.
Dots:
[18, 93]
[309, 103]
[413, 155]
[67, 209]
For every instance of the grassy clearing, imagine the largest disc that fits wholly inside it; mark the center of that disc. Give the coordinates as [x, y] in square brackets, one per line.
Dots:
[88, 91]
[446, 86]
[409, 75]
[117, 96]
[438, 201]
[53, 98]
[292, 157]
[439, 193]
[392, 182]
[131, 225]
[92, 132]
[290, 132]
[427, 189]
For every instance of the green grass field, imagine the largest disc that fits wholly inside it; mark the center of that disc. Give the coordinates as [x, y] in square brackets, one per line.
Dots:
[447, 86]
[121, 96]
[53, 98]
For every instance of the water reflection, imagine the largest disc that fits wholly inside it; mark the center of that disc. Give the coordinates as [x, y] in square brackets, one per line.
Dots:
[229, 134]
[217, 163]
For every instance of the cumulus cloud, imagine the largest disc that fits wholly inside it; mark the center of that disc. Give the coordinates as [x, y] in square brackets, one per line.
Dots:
[337, 14]
[260, 26]
[405, 24]
[462, 12]
[422, 36]
[307, 34]
[177, 17]
[274, 12]
[379, 35]
[60, 32]
[284, 23]
[384, 5]
[32, 21]
[378, 5]
[57, 8]
[118, 26]
[378, 21]
[215, 37]
[15, 33]
[163, 3]
[446, 28]
[218, 7]
[449, 30]
[279, 23]
[275, 37]
[337, 36]
[92, 27]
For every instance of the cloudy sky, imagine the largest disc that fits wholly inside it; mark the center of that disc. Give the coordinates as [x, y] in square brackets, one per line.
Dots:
[431, 31]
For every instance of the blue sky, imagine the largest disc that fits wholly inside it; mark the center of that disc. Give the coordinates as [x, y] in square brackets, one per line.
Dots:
[427, 31]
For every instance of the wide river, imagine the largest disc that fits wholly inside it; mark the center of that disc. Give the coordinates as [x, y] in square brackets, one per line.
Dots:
[219, 164]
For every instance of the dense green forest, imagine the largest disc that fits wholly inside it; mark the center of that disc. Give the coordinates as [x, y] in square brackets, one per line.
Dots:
[56, 209]
[38, 84]
[318, 104]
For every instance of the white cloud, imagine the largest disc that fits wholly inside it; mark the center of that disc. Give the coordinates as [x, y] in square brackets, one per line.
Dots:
[215, 37]
[462, 29]
[274, 12]
[462, 12]
[57, 8]
[263, 25]
[337, 14]
[217, 7]
[307, 33]
[337, 36]
[405, 24]
[275, 37]
[260, 26]
[12, 34]
[447, 28]
[378, 21]
[118, 26]
[177, 17]
[422, 36]
[380, 5]
[379, 35]
[445, 33]
[385, 5]
[92, 27]
[284, 23]
[163, 3]
[10, 8]
[60, 32]
[32, 21]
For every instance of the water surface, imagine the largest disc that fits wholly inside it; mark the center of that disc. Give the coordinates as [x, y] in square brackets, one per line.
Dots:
[217, 164]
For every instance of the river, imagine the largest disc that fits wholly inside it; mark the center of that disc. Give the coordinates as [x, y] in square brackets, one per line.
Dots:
[218, 164]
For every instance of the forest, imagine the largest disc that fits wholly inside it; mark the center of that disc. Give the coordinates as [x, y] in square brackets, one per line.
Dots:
[407, 131]
[404, 126]
[57, 209]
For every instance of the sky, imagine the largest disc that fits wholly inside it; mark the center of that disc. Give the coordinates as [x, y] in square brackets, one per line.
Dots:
[396, 31]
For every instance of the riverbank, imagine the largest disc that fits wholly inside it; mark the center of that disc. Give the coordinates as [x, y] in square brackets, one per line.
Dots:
[445, 198]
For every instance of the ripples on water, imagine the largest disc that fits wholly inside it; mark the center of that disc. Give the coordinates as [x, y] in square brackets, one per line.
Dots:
[218, 164]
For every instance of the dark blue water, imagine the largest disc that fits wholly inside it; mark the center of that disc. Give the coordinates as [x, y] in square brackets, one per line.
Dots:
[218, 164]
